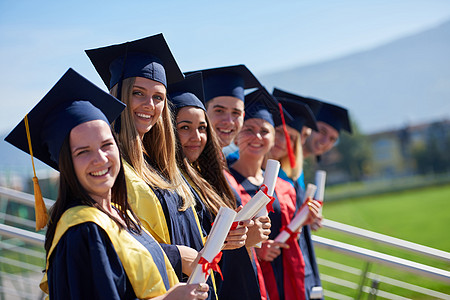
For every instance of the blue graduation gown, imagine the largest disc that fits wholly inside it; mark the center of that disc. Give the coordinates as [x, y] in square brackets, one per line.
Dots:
[85, 265]
[183, 227]
[282, 268]
[312, 276]
[239, 272]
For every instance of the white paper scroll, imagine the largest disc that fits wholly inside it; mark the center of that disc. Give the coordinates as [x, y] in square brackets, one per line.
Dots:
[299, 218]
[320, 183]
[252, 207]
[270, 180]
[214, 243]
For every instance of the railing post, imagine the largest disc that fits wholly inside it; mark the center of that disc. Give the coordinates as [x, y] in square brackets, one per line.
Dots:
[374, 290]
[3, 207]
[363, 280]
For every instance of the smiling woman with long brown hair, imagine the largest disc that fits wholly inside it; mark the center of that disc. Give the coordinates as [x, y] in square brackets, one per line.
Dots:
[95, 244]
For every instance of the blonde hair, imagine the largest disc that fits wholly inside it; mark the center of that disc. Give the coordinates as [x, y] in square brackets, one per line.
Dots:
[294, 173]
[158, 145]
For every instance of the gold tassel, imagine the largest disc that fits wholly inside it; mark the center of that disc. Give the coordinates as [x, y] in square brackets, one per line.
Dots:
[39, 205]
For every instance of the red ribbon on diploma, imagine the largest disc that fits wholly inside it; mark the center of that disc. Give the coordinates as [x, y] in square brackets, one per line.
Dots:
[292, 235]
[269, 206]
[234, 225]
[214, 265]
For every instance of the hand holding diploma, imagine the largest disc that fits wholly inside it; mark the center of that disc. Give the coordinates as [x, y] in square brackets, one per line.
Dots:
[237, 236]
[270, 179]
[211, 253]
[300, 218]
[270, 250]
[320, 183]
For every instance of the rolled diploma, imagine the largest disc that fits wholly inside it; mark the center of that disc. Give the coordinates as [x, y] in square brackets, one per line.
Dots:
[270, 179]
[299, 218]
[320, 182]
[252, 207]
[214, 243]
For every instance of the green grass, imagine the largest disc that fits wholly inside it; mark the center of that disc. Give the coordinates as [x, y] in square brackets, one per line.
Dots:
[419, 215]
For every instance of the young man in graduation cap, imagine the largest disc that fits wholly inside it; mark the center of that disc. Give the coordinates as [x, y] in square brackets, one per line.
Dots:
[224, 97]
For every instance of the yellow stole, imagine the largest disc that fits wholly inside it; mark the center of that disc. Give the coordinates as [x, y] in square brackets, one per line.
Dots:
[146, 205]
[146, 281]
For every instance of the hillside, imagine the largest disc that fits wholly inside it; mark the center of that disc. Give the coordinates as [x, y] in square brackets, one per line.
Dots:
[407, 80]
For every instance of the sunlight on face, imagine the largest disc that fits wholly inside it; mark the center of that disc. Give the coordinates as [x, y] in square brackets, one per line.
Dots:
[146, 103]
[256, 138]
[226, 115]
[95, 157]
[191, 130]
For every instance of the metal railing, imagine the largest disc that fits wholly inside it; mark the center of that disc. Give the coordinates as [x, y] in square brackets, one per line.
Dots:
[20, 240]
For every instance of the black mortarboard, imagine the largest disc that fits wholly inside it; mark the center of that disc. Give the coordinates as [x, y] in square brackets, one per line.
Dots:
[73, 100]
[335, 116]
[227, 81]
[149, 57]
[313, 104]
[301, 114]
[188, 92]
[261, 104]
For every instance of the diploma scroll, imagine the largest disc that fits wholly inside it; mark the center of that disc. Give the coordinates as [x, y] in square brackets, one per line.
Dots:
[320, 183]
[270, 180]
[299, 218]
[253, 206]
[213, 245]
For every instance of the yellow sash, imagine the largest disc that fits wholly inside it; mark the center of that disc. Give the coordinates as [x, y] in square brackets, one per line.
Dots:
[146, 205]
[189, 180]
[135, 258]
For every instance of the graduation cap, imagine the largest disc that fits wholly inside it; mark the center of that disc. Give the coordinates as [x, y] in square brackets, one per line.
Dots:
[227, 81]
[335, 116]
[261, 105]
[73, 100]
[313, 104]
[188, 92]
[301, 114]
[149, 57]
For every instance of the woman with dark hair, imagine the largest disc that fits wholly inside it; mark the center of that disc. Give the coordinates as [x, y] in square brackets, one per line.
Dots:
[95, 244]
[200, 157]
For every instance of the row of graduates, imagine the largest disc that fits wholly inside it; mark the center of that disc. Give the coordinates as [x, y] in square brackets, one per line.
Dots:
[142, 176]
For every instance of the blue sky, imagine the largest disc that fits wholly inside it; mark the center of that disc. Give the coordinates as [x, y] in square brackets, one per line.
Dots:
[40, 40]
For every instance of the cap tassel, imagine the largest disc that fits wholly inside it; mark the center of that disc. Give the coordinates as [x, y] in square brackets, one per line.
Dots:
[39, 205]
[288, 139]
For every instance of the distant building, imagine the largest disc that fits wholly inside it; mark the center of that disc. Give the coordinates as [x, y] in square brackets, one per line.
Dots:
[396, 153]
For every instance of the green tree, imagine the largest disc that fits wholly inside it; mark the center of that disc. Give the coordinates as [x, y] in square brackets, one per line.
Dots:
[355, 154]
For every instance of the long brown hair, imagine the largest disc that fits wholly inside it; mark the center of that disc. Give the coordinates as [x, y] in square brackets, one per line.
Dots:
[72, 193]
[158, 146]
[294, 173]
[207, 173]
